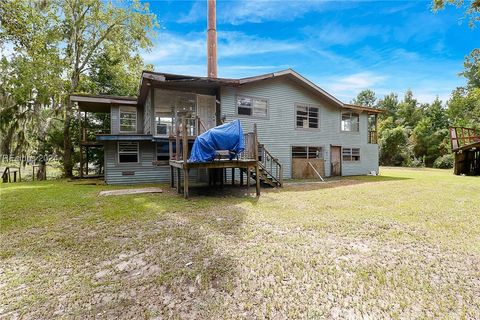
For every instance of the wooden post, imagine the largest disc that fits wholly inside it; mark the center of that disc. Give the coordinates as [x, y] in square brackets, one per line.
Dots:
[233, 176]
[179, 190]
[248, 178]
[172, 174]
[20, 172]
[241, 177]
[177, 138]
[185, 182]
[255, 152]
[184, 140]
[86, 160]
[79, 116]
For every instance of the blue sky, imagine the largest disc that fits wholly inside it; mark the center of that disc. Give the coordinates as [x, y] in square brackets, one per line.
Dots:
[343, 47]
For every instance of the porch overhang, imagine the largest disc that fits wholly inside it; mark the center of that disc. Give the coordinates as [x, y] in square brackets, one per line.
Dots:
[100, 103]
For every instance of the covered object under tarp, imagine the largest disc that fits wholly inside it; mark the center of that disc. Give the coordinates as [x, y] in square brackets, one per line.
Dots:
[228, 136]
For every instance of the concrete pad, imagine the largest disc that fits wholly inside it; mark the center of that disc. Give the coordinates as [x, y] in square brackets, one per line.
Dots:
[129, 191]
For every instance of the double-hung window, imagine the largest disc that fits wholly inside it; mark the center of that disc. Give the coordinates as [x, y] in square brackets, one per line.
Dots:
[128, 152]
[255, 107]
[351, 154]
[350, 121]
[128, 119]
[307, 116]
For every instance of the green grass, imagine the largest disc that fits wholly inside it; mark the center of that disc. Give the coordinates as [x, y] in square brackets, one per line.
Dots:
[405, 244]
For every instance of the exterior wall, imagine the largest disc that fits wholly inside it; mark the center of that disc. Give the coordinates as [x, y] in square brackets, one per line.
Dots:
[278, 133]
[144, 171]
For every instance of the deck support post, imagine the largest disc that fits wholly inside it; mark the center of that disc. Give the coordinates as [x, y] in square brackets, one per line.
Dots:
[255, 154]
[185, 182]
[172, 174]
[179, 190]
[79, 117]
[233, 176]
[241, 177]
[248, 178]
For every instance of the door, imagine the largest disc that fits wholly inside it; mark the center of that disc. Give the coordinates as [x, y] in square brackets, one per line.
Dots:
[206, 107]
[336, 160]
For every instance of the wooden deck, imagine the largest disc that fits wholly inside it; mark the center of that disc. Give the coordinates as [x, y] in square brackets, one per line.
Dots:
[246, 162]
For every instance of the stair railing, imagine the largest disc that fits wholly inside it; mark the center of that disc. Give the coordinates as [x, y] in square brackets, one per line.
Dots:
[270, 164]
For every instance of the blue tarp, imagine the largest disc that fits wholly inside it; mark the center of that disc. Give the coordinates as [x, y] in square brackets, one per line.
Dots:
[228, 136]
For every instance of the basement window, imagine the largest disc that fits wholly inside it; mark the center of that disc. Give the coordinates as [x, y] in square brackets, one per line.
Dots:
[128, 152]
[351, 154]
[350, 121]
[307, 117]
[307, 152]
[254, 107]
[128, 119]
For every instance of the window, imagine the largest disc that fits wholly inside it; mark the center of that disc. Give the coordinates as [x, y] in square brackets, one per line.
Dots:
[350, 121]
[128, 119]
[252, 106]
[351, 154]
[307, 117]
[307, 152]
[163, 124]
[163, 154]
[127, 152]
[372, 128]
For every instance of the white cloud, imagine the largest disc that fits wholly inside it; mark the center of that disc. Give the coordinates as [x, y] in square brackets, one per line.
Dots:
[191, 48]
[356, 82]
[336, 34]
[260, 11]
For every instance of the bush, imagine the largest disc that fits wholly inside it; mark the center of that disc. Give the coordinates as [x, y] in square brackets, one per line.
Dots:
[444, 162]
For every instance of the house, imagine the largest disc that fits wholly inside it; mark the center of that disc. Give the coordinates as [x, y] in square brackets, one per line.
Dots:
[299, 126]
[465, 143]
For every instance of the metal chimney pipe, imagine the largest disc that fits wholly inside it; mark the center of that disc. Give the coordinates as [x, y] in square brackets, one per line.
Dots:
[212, 40]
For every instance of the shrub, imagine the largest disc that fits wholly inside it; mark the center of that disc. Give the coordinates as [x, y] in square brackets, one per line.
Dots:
[444, 162]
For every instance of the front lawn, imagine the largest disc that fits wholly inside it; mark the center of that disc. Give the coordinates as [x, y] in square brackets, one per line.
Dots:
[405, 244]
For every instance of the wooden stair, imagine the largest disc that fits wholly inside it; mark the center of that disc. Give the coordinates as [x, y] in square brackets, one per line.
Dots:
[270, 169]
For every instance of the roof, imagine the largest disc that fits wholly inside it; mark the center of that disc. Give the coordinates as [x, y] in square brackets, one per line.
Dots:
[208, 84]
[100, 102]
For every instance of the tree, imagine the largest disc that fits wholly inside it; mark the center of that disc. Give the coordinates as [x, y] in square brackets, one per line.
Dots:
[390, 104]
[365, 98]
[80, 32]
[472, 10]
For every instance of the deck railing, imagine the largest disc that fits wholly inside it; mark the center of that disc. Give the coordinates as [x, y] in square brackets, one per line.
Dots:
[270, 164]
[461, 136]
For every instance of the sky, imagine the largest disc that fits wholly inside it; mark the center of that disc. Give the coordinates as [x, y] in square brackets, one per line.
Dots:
[342, 46]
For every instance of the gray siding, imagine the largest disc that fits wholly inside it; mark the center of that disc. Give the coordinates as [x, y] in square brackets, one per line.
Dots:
[144, 171]
[278, 131]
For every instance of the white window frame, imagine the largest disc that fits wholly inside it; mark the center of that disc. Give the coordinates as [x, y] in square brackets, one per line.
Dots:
[350, 154]
[350, 113]
[252, 107]
[128, 152]
[308, 107]
[127, 110]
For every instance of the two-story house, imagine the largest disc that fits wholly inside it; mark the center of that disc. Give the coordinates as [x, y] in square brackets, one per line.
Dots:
[297, 121]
